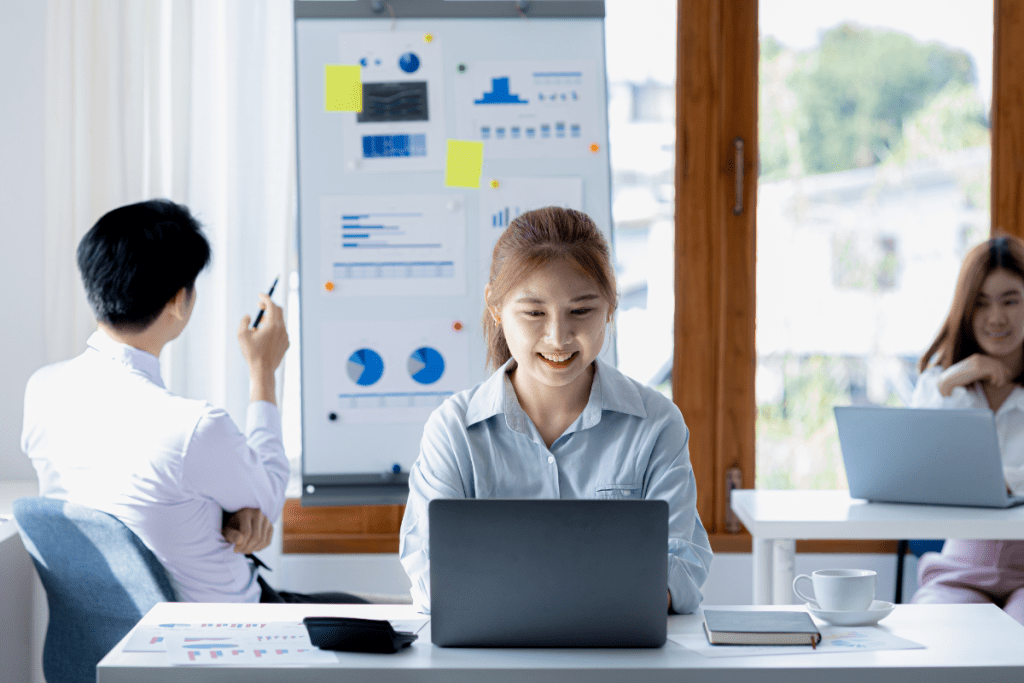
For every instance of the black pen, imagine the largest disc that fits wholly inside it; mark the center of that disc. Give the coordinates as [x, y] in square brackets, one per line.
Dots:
[259, 316]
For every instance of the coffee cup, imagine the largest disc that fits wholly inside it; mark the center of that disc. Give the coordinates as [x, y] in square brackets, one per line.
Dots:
[840, 590]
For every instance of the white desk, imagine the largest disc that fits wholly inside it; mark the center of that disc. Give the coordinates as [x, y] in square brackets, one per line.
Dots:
[9, 492]
[964, 643]
[17, 578]
[776, 519]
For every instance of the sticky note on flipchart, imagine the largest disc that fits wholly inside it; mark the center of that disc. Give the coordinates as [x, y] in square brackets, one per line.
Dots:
[343, 88]
[464, 163]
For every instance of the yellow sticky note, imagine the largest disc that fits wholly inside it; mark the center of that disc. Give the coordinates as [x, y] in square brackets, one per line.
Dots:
[343, 88]
[464, 163]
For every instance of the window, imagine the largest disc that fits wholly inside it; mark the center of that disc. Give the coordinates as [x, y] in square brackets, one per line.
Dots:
[716, 272]
[640, 39]
[874, 180]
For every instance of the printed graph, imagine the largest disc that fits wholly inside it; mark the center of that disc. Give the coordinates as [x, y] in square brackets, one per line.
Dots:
[398, 245]
[426, 365]
[365, 367]
[382, 232]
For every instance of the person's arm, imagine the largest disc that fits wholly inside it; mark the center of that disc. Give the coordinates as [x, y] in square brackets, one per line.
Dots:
[435, 474]
[249, 471]
[263, 349]
[975, 368]
[669, 477]
[249, 530]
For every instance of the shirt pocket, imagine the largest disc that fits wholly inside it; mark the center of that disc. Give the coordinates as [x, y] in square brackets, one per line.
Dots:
[618, 492]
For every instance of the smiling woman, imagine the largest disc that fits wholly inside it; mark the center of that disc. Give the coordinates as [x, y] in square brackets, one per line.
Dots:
[982, 339]
[553, 323]
[554, 420]
[977, 361]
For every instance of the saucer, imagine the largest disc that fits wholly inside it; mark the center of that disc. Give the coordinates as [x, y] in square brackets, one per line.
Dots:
[878, 610]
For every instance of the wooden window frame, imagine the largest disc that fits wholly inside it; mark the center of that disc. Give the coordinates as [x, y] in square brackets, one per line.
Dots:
[713, 372]
[713, 376]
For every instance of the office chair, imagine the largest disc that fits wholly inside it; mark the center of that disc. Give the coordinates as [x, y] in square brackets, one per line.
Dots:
[918, 548]
[100, 579]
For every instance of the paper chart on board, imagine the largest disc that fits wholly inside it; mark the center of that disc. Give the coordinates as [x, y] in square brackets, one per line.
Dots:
[833, 639]
[530, 109]
[401, 125]
[504, 199]
[392, 370]
[392, 245]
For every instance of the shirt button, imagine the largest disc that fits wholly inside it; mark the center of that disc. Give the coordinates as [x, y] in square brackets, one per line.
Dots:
[551, 459]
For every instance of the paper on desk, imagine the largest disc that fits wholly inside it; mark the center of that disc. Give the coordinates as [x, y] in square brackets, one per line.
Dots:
[833, 639]
[408, 625]
[248, 649]
[154, 638]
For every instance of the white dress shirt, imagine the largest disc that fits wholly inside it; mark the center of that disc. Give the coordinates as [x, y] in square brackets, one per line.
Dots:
[102, 431]
[629, 442]
[1009, 418]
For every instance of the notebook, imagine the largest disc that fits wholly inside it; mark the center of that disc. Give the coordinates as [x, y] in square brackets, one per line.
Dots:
[548, 573]
[923, 455]
[760, 628]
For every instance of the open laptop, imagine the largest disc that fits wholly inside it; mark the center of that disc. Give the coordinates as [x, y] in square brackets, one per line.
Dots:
[922, 455]
[548, 573]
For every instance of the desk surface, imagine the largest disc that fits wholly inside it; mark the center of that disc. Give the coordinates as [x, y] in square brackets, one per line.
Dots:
[833, 514]
[9, 492]
[964, 643]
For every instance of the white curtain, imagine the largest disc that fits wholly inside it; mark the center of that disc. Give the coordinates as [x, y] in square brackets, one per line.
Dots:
[192, 100]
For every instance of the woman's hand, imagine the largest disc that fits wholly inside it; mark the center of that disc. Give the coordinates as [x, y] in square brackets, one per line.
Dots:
[975, 368]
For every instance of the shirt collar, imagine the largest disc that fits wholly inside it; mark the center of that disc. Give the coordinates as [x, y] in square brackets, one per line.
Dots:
[611, 390]
[1014, 400]
[134, 358]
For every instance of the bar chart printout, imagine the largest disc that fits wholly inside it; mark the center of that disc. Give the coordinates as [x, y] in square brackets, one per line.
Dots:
[514, 196]
[393, 245]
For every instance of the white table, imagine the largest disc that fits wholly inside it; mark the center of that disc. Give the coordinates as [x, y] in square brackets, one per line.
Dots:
[9, 492]
[776, 519]
[17, 577]
[964, 643]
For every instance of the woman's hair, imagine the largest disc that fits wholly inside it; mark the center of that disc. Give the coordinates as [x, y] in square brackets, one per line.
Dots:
[533, 240]
[956, 339]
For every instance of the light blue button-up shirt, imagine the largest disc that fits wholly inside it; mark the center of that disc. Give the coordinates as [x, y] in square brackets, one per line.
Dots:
[629, 442]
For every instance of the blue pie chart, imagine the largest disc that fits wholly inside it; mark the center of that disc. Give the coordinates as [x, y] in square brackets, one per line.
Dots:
[426, 365]
[409, 62]
[365, 367]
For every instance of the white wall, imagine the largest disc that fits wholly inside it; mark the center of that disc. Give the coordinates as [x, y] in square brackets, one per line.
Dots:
[21, 218]
[22, 25]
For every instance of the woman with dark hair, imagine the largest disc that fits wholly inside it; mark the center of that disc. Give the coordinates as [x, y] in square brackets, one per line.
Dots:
[554, 420]
[977, 361]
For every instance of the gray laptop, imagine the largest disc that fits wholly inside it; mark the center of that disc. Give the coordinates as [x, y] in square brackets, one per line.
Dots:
[921, 455]
[548, 573]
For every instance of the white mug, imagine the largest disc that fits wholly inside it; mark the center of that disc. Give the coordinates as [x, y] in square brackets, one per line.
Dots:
[840, 590]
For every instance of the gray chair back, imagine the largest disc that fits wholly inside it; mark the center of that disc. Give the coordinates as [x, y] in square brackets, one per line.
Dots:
[99, 579]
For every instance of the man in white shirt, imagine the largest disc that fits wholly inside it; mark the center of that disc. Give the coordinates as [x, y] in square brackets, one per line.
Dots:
[102, 431]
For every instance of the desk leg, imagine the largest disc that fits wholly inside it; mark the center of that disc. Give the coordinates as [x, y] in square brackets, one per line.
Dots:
[783, 558]
[761, 552]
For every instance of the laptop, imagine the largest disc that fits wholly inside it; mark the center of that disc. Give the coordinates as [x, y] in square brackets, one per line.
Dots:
[548, 573]
[923, 455]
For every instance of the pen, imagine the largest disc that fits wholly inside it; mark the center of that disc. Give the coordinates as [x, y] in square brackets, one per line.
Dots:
[259, 316]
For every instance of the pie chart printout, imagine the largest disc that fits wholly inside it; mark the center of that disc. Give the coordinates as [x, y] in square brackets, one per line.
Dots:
[426, 365]
[365, 367]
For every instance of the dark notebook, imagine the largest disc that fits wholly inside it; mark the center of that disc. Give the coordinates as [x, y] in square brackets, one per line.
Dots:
[760, 628]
